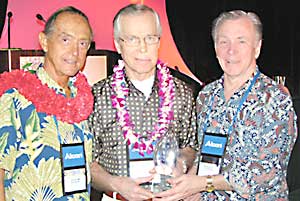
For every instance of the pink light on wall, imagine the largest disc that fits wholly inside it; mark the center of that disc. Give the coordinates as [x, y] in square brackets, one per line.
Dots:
[25, 26]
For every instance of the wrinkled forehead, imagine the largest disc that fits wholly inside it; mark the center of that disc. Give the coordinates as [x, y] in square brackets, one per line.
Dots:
[139, 23]
[240, 27]
[72, 23]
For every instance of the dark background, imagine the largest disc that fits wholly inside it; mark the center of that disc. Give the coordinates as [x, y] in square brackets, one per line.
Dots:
[190, 23]
[3, 7]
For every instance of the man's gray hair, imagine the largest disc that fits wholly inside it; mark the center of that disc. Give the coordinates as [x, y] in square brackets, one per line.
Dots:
[134, 9]
[49, 26]
[237, 14]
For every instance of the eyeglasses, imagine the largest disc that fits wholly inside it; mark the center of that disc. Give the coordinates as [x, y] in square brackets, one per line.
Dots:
[134, 41]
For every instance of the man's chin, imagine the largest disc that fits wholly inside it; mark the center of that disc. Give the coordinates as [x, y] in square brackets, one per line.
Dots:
[72, 72]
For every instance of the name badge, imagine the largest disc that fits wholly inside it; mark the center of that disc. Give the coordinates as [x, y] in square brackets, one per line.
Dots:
[74, 174]
[212, 151]
[140, 166]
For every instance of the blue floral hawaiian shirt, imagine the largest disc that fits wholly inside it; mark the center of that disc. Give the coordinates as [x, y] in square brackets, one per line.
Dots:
[30, 147]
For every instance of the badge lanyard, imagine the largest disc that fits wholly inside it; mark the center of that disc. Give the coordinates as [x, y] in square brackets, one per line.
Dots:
[244, 98]
[74, 173]
[58, 133]
[213, 145]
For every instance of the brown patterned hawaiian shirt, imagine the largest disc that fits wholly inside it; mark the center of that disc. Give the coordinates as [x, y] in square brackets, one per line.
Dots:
[110, 149]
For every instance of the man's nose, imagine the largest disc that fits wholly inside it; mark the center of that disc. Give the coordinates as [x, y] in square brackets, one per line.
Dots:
[143, 45]
[75, 49]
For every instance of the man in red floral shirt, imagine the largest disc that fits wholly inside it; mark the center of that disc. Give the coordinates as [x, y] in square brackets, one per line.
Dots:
[45, 143]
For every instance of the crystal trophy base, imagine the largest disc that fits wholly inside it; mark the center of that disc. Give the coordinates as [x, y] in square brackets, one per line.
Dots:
[160, 183]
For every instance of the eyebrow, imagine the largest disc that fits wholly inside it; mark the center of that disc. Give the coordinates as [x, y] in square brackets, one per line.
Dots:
[65, 34]
[72, 36]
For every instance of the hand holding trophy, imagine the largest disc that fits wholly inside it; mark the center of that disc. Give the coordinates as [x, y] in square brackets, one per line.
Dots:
[165, 156]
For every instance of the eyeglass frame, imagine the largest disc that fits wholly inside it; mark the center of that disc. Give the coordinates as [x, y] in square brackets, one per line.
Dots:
[126, 41]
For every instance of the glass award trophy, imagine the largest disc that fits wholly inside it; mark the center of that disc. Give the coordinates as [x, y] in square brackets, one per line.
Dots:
[165, 158]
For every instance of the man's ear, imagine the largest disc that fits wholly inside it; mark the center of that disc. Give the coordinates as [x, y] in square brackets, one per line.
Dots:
[43, 41]
[117, 45]
[257, 49]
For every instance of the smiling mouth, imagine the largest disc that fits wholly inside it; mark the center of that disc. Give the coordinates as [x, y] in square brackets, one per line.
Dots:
[231, 62]
[142, 59]
[72, 62]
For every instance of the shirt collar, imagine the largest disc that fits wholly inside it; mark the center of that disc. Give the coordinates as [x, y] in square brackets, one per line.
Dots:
[46, 79]
[131, 86]
[220, 84]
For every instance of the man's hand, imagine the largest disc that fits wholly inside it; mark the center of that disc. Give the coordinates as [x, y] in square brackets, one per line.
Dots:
[195, 197]
[130, 189]
[182, 187]
[181, 167]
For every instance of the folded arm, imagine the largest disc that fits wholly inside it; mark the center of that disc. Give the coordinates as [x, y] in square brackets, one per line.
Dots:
[2, 193]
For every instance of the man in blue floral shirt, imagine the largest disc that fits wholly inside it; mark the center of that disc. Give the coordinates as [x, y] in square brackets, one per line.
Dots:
[45, 143]
[250, 112]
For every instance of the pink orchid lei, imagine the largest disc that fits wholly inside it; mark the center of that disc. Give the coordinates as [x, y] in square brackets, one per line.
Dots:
[45, 99]
[165, 113]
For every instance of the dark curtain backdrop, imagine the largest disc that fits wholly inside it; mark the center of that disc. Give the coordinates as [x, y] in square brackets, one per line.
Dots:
[3, 7]
[190, 23]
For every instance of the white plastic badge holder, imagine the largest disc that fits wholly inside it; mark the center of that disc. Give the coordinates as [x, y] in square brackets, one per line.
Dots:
[73, 168]
[140, 166]
[212, 152]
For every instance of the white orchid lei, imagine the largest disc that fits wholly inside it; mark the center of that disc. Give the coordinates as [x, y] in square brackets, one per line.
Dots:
[165, 112]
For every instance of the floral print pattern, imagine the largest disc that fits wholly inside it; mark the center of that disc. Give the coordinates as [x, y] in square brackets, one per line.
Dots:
[259, 148]
[30, 147]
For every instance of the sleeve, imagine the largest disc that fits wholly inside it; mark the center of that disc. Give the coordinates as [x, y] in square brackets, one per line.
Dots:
[186, 122]
[201, 115]
[261, 156]
[94, 125]
[10, 126]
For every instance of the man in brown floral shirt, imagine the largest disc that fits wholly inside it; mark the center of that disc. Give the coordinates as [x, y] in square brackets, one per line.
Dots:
[136, 105]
